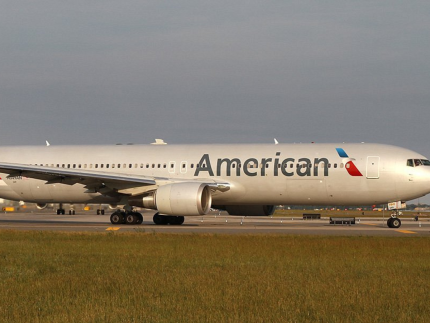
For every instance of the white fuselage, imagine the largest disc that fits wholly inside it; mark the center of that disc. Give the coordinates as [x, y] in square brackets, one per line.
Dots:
[316, 174]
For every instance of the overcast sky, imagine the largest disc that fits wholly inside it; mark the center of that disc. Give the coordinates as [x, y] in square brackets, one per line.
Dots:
[88, 72]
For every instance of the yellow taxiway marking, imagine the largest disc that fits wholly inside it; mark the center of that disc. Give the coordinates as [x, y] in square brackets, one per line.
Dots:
[405, 231]
[112, 229]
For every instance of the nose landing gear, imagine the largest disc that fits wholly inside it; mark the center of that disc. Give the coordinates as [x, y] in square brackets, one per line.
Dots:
[394, 221]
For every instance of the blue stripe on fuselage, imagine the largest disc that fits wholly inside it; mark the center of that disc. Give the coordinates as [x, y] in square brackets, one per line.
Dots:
[341, 153]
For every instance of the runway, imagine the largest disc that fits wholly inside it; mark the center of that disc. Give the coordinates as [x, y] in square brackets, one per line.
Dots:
[213, 224]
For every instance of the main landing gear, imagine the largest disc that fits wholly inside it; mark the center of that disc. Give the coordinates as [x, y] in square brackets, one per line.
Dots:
[394, 222]
[62, 211]
[167, 219]
[126, 217]
[131, 217]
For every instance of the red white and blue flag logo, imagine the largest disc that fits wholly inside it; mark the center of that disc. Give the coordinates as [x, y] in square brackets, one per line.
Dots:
[349, 164]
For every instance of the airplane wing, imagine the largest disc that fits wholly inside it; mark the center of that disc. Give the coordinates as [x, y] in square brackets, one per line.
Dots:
[98, 181]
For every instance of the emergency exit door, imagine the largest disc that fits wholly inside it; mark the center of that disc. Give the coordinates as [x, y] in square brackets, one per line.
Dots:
[372, 169]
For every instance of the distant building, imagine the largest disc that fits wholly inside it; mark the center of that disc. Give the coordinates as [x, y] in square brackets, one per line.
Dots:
[420, 209]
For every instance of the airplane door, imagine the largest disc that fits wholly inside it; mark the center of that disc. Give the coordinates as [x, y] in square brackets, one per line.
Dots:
[372, 168]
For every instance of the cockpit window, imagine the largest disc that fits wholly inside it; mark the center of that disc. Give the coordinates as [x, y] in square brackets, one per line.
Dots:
[417, 162]
[425, 162]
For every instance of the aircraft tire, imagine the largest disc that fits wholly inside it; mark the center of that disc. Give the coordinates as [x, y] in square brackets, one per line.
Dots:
[131, 218]
[116, 218]
[160, 219]
[396, 223]
[139, 218]
[176, 220]
[389, 222]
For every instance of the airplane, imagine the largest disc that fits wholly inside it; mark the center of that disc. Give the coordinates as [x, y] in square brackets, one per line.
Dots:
[189, 180]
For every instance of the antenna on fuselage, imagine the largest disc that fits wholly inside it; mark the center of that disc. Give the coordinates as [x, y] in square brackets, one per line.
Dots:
[159, 142]
[276, 142]
[47, 143]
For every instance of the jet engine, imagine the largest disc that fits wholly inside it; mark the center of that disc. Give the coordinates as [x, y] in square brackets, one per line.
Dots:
[41, 206]
[177, 199]
[249, 210]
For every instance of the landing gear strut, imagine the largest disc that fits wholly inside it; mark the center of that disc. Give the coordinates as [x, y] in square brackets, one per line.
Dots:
[60, 210]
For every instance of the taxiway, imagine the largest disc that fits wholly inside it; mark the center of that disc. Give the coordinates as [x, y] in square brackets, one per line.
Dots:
[213, 224]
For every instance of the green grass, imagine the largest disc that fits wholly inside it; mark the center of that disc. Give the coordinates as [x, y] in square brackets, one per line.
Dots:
[143, 277]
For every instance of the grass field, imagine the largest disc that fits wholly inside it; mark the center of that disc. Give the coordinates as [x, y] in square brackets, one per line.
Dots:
[147, 277]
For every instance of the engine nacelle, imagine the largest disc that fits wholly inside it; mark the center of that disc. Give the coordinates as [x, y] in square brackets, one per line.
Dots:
[250, 210]
[178, 199]
[41, 206]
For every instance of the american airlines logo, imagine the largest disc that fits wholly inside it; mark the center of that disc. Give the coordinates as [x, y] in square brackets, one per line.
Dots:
[349, 164]
[262, 167]
[276, 166]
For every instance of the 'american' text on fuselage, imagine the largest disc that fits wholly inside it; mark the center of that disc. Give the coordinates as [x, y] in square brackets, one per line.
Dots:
[266, 165]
